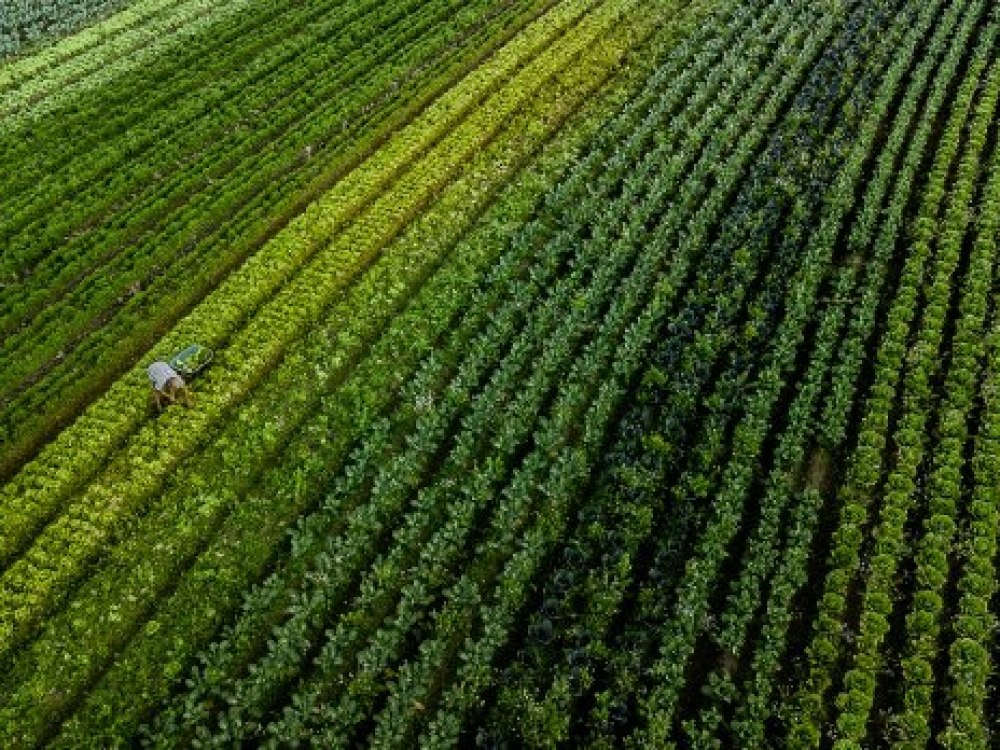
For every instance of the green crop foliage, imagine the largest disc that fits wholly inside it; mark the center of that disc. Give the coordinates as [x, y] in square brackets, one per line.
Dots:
[585, 373]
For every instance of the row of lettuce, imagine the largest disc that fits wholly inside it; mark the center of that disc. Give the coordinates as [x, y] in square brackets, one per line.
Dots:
[901, 403]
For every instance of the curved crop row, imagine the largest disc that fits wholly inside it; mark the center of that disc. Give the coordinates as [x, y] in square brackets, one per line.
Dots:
[558, 699]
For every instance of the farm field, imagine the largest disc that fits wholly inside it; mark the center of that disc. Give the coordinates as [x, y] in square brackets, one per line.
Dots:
[585, 373]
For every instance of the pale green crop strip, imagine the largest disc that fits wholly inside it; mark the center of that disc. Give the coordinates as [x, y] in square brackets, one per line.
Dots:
[105, 505]
[36, 85]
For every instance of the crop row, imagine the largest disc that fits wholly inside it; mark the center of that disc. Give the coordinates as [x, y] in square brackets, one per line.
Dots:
[792, 466]
[970, 656]
[859, 683]
[961, 383]
[922, 365]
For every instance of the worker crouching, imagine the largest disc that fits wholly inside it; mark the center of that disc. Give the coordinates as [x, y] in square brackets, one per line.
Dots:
[167, 384]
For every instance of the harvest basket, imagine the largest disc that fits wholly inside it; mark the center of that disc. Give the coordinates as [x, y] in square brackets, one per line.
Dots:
[191, 360]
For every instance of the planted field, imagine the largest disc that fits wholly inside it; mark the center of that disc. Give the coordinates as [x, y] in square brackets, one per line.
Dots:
[583, 373]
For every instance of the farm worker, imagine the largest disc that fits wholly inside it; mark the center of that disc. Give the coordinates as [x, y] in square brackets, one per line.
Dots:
[167, 384]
